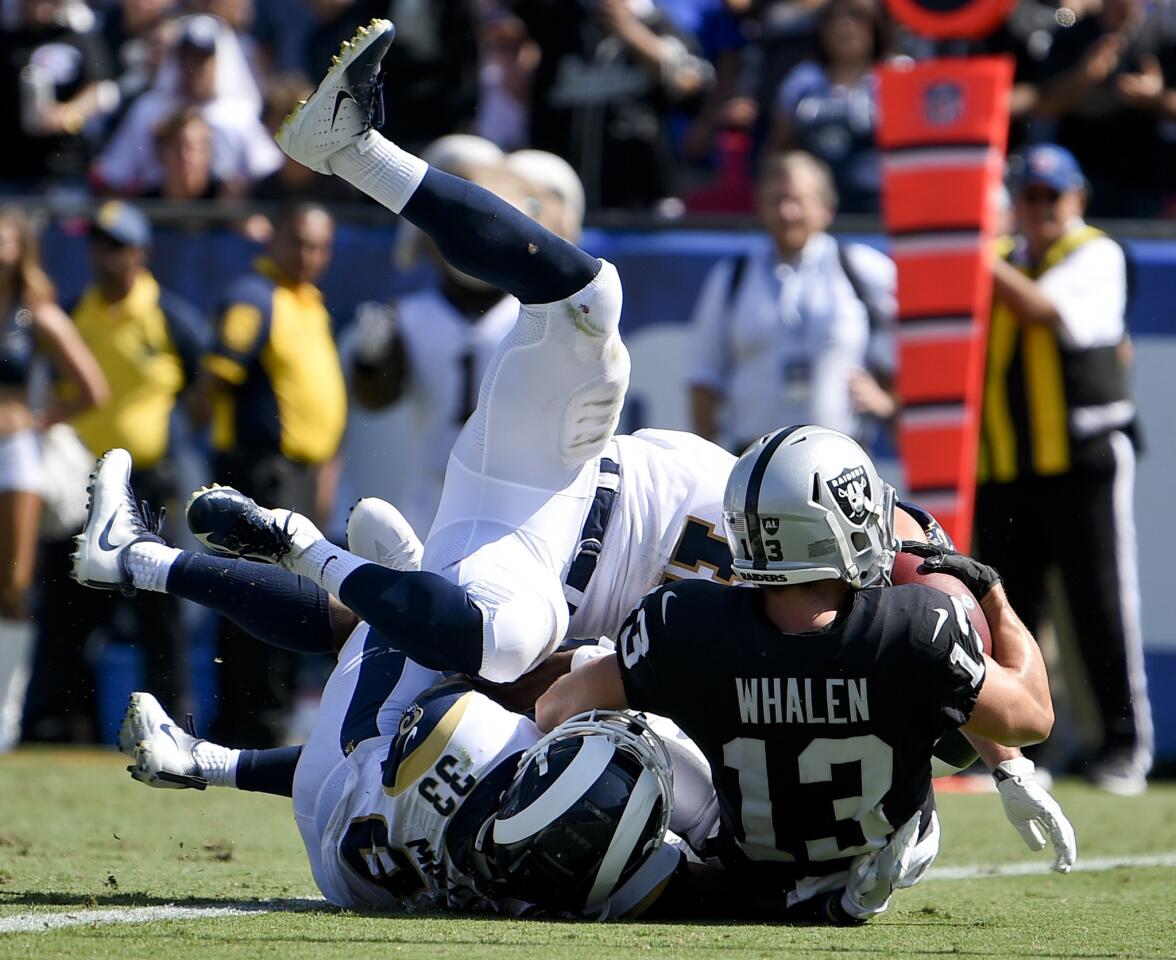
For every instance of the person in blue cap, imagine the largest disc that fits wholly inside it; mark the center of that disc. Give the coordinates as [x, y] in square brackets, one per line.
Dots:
[1057, 457]
[147, 342]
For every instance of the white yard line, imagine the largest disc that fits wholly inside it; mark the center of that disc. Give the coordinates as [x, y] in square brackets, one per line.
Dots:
[1027, 868]
[41, 922]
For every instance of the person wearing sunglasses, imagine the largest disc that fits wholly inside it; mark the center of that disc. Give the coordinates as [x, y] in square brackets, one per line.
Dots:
[1057, 456]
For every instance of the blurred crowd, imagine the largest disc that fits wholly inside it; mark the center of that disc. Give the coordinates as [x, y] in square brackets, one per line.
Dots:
[658, 104]
[562, 107]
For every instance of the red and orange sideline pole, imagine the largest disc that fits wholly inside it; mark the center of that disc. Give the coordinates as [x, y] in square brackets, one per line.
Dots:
[943, 135]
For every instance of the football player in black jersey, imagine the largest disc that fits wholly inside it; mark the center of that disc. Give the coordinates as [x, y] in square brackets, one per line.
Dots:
[817, 700]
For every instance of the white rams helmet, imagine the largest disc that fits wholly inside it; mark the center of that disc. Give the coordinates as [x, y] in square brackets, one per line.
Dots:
[805, 503]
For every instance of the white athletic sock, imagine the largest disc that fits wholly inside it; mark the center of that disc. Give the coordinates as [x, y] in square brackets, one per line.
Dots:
[326, 564]
[218, 765]
[16, 648]
[149, 564]
[380, 169]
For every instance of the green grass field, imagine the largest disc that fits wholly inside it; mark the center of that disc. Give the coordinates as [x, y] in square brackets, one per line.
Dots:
[78, 837]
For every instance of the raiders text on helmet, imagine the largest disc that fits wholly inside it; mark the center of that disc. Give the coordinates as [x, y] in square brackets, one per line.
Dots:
[805, 503]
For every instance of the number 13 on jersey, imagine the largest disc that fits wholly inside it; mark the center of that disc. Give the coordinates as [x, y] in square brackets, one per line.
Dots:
[831, 822]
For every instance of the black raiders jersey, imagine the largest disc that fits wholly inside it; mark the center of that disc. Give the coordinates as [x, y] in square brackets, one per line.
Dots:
[819, 743]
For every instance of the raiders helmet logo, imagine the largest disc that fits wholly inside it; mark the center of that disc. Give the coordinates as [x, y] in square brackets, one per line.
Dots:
[851, 491]
[771, 525]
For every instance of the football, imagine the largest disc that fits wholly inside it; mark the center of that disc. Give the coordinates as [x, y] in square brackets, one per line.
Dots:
[906, 570]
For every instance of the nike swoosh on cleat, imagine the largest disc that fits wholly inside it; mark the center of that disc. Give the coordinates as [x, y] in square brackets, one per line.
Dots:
[167, 728]
[340, 97]
[104, 536]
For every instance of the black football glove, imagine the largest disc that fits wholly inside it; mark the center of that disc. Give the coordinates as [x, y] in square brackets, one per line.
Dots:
[975, 575]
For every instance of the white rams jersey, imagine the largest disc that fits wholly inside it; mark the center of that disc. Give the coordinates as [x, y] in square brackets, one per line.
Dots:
[666, 524]
[447, 356]
[385, 844]
[401, 833]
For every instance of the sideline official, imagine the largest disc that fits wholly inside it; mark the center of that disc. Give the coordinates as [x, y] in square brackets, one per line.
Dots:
[1057, 459]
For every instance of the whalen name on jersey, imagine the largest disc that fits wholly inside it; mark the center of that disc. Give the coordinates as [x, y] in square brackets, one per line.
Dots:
[803, 699]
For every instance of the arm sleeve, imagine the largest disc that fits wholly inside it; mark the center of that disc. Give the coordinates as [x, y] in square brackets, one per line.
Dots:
[709, 330]
[650, 660]
[1089, 291]
[949, 661]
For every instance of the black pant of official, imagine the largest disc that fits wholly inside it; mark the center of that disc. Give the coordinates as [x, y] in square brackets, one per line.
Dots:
[256, 682]
[61, 704]
[1083, 523]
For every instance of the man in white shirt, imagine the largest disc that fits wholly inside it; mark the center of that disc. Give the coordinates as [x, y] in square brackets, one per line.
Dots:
[1057, 460]
[205, 70]
[787, 334]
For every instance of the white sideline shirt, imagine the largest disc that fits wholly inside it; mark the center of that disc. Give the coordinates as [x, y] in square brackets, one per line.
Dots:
[783, 348]
[1089, 291]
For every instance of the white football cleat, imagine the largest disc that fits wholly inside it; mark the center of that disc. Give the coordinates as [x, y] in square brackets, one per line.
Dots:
[161, 752]
[378, 532]
[347, 104]
[114, 521]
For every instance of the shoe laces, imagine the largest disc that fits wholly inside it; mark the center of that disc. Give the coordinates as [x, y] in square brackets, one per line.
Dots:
[285, 537]
[143, 518]
[372, 91]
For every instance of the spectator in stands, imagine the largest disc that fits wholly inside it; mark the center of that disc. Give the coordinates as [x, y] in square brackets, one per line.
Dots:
[1057, 461]
[33, 325]
[1027, 35]
[273, 388]
[509, 58]
[787, 334]
[611, 74]
[136, 33]
[239, 15]
[54, 79]
[1111, 83]
[828, 106]
[147, 342]
[433, 64]
[281, 30]
[780, 33]
[184, 145]
[207, 71]
[293, 181]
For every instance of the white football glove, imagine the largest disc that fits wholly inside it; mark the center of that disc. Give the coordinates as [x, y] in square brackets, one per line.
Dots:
[1034, 813]
[873, 877]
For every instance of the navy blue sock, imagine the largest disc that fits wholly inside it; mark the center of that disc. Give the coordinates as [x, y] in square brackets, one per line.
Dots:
[268, 771]
[484, 236]
[422, 615]
[266, 602]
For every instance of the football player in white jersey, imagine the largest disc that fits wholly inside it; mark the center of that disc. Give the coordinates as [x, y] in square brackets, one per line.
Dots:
[536, 472]
[410, 790]
[425, 353]
[549, 526]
